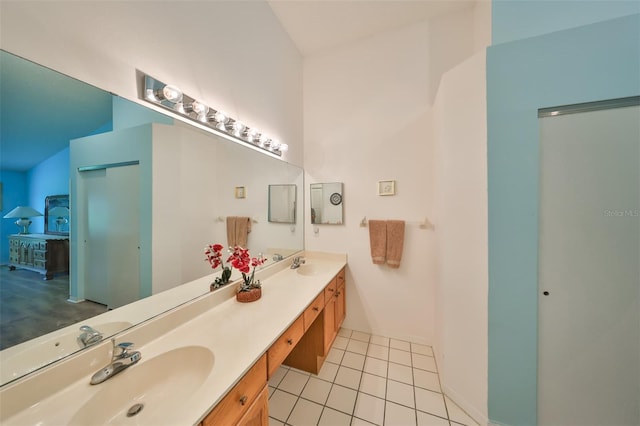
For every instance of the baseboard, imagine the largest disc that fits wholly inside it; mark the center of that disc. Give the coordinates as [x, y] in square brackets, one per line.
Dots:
[468, 408]
[74, 300]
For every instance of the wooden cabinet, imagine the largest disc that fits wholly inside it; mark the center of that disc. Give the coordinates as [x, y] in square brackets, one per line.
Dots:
[313, 310]
[321, 328]
[304, 345]
[341, 309]
[284, 345]
[335, 309]
[245, 401]
[42, 253]
[258, 413]
[329, 324]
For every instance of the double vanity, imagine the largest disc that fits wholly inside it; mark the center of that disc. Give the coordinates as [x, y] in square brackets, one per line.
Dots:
[206, 362]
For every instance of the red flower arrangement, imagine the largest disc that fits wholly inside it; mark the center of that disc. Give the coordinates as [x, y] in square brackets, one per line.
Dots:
[243, 262]
[213, 253]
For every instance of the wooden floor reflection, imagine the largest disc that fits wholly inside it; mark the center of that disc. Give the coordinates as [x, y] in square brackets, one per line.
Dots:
[31, 306]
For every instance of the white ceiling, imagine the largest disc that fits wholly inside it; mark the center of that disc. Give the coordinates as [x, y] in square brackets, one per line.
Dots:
[315, 25]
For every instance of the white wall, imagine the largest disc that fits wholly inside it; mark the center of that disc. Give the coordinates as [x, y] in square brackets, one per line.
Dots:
[233, 55]
[461, 235]
[368, 117]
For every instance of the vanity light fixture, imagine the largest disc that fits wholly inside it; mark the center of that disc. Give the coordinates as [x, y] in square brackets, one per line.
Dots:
[173, 99]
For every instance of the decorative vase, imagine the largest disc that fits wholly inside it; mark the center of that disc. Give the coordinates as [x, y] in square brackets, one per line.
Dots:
[249, 296]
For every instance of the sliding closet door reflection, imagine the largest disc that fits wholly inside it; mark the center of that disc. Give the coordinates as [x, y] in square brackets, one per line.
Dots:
[112, 230]
[589, 278]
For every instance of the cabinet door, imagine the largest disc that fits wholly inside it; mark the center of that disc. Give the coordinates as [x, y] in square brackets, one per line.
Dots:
[340, 300]
[258, 413]
[329, 323]
[237, 402]
[340, 307]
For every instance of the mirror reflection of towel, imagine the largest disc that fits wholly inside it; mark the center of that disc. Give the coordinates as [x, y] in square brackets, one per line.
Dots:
[238, 228]
[231, 231]
[243, 227]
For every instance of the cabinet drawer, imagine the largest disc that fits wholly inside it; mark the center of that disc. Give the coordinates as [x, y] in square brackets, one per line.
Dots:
[42, 264]
[236, 403]
[313, 310]
[284, 345]
[42, 245]
[330, 291]
[39, 255]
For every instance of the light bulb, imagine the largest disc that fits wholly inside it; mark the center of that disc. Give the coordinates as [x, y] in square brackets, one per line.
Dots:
[221, 117]
[252, 135]
[199, 108]
[275, 144]
[284, 147]
[238, 128]
[172, 93]
[264, 140]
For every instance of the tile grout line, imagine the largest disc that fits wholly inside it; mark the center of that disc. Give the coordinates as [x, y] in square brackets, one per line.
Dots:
[362, 371]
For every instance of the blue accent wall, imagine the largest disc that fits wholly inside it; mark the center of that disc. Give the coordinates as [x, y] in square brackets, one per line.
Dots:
[50, 177]
[588, 63]
[30, 188]
[14, 194]
[517, 19]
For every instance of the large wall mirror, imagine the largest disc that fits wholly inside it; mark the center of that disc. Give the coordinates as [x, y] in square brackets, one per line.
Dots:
[138, 220]
[282, 203]
[56, 215]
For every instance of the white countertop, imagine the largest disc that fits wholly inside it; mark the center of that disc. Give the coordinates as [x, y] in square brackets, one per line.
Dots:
[237, 334]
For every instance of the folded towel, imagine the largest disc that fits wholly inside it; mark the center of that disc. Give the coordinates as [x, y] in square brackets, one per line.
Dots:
[231, 231]
[395, 242]
[378, 240]
[243, 227]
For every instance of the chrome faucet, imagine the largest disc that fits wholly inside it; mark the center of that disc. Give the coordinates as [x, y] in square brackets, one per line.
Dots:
[121, 359]
[297, 261]
[89, 336]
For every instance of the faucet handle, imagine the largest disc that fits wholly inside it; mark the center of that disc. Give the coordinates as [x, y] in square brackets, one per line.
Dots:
[124, 347]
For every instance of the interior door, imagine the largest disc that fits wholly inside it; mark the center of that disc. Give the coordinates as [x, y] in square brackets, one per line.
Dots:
[112, 235]
[589, 276]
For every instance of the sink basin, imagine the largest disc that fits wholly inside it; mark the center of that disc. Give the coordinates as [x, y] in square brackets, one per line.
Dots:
[29, 356]
[153, 389]
[311, 269]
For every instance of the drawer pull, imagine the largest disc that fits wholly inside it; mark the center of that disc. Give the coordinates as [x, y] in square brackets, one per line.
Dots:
[290, 341]
[243, 400]
[330, 289]
[315, 308]
[337, 294]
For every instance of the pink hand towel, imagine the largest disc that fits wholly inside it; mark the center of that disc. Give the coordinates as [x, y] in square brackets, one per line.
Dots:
[378, 240]
[243, 227]
[395, 242]
[231, 231]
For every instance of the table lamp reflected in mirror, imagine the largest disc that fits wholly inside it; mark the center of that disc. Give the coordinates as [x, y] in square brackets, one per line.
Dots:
[23, 213]
[62, 216]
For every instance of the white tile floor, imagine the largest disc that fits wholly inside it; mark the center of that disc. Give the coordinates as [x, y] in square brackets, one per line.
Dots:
[365, 380]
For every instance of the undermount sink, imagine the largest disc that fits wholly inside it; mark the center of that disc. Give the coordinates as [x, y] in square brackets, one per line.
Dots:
[311, 269]
[150, 391]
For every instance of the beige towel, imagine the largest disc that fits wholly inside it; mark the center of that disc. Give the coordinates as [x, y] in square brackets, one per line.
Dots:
[395, 242]
[243, 227]
[378, 240]
[231, 231]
